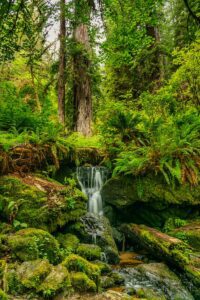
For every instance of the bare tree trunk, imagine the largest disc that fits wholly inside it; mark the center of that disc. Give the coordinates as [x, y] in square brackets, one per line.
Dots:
[82, 82]
[62, 65]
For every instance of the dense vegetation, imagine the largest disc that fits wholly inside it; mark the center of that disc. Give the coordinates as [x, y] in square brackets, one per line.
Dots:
[87, 82]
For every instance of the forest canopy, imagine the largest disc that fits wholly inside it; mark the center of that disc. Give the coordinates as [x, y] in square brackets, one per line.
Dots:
[120, 75]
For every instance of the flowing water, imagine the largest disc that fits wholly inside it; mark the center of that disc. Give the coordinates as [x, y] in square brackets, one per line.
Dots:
[91, 180]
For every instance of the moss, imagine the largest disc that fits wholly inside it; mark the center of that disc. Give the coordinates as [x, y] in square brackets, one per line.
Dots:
[31, 244]
[89, 251]
[40, 209]
[126, 190]
[104, 267]
[69, 242]
[14, 285]
[82, 283]
[32, 273]
[3, 245]
[57, 280]
[3, 295]
[107, 282]
[79, 264]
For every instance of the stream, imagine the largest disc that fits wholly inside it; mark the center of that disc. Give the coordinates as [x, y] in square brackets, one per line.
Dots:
[144, 278]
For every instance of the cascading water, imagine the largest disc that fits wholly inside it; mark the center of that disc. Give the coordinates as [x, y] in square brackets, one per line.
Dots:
[91, 180]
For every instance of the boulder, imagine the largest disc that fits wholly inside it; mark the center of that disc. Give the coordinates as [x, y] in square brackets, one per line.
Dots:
[170, 249]
[40, 203]
[82, 283]
[57, 280]
[97, 230]
[89, 251]
[31, 244]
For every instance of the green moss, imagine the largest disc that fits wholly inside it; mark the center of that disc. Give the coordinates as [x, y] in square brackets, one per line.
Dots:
[82, 283]
[79, 264]
[3, 245]
[3, 295]
[88, 251]
[40, 209]
[58, 280]
[104, 267]
[31, 244]
[68, 242]
[32, 273]
[107, 282]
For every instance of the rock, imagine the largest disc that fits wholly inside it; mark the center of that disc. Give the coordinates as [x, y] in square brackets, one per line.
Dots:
[30, 244]
[98, 230]
[104, 267]
[57, 280]
[89, 251]
[82, 283]
[190, 233]
[79, 264]
[160, 275]
[40, 203]
[172, 250]
[124, 191]
[69, 242]
[122, 197]
[107, 282]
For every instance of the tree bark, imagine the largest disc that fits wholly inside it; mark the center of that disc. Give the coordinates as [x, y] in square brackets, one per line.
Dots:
[62, 65]
[82, 82]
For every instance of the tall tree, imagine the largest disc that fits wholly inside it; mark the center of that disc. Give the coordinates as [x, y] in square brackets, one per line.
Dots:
[82, 80]
[62, 64]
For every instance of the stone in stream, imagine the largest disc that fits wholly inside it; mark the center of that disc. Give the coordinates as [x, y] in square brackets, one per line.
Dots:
[154, 281]
[170, 249]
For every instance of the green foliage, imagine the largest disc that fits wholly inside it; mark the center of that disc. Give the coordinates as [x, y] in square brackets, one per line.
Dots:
[3, 295]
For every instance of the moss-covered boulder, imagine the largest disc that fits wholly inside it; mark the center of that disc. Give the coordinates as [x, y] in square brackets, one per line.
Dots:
[68, 242]
[107, 282]
[124, 191]
[190, 233]
[40, 203]
[58, 280]
[77, 263]
[3, 295]
[38, 277]
[82, 283]
[172, 250]
[30, 244]
[89, 251]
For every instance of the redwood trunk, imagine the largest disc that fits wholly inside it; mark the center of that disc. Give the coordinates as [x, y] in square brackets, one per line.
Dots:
[62, 65]
[82, 82]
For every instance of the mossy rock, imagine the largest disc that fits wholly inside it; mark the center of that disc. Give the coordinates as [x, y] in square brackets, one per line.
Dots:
[32, 273]
[125, 191]
[3, 295]
[57, 280]
[170, 249]
[46, 208]
[69, 242]
[104, 267]
[89, 251]
[30, 244]
[77, 263]
[107, 282]
[190, 233]
[82, 283]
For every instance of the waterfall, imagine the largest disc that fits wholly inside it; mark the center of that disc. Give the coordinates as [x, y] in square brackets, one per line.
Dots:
[91, 180]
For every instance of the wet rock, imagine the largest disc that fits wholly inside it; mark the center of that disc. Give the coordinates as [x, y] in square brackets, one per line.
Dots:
[98, 230]
[155, 281]
[172, 250]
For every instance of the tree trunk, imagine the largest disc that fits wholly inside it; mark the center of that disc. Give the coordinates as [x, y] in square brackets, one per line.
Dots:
[62, 65]
[82, 82]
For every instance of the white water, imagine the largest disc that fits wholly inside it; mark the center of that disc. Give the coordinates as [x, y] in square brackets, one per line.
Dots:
[91, 180]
